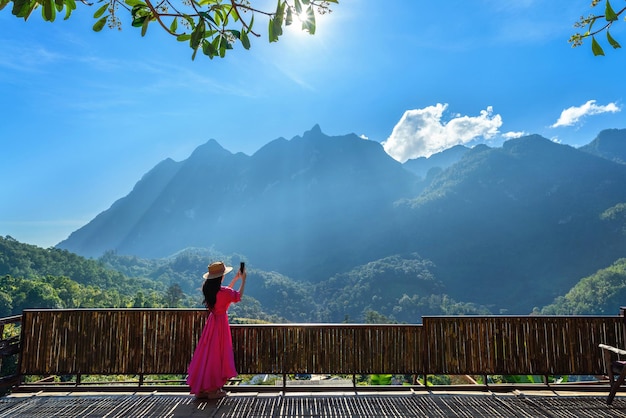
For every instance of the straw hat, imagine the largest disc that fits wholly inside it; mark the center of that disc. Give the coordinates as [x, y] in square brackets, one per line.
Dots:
[217, 269]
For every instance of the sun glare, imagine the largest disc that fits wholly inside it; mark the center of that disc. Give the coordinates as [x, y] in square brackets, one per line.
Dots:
[299, 24]
[302, 23]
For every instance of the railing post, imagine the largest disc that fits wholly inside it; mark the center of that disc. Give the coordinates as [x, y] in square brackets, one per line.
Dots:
[283, 361]
[1, 338]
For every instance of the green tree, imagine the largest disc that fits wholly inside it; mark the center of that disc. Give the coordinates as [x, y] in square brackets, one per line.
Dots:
[173, 296]
[595, 24]
[210, 26]
[6, 304]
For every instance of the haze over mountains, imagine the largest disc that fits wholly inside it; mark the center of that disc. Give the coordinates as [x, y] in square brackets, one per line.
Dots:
[508, 228]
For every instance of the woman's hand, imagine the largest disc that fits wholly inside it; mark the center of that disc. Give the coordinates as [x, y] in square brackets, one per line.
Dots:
[237, 277]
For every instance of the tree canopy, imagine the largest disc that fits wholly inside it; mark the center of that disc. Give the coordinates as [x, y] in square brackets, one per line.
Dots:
[595, 25]
[210, 26]
[215, 26]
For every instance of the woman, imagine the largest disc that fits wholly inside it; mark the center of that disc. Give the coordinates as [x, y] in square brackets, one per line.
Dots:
[213, 362]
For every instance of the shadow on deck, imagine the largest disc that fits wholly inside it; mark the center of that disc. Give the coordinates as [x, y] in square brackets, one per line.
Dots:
[338, 404]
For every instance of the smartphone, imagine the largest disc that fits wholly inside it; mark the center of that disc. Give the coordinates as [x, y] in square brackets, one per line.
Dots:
[242, 267]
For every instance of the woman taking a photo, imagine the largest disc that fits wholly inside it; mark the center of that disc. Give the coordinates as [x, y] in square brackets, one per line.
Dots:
[213, 361]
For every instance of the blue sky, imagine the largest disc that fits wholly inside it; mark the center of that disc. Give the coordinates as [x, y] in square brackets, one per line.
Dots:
[85, 115]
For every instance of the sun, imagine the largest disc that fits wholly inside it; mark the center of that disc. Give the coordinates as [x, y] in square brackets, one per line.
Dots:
[303, 23]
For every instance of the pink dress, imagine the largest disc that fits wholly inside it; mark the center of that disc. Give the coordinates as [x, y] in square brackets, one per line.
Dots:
[213, 362]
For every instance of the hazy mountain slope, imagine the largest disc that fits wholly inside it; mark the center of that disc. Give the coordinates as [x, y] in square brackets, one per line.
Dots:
[508, 228]
[518, 225]
[609, 144]
[283, 207]
[442, 160]
[108, 230]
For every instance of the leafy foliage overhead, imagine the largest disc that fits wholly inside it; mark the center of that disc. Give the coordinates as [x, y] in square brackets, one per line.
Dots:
[595, 24]
[210, 26]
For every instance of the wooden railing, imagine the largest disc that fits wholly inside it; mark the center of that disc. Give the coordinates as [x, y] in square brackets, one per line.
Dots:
[161, 341]
[513, 345]
[9, 350]
[328, 349]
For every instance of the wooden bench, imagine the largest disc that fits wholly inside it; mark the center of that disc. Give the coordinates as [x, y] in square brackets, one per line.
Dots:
[615, 363]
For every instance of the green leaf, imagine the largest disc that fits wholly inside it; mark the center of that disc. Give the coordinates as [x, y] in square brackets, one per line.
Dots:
[609, 13]
[245, 41]
[144, 27]
[48, 10]
[612, 41]
[138, 21]
[174, 25]
[208, 17]
[309, 23]
[97, 27]
[3, 3]
[270, 32]
[208, 49]
[69, 6]
[17, 6]
[595, 47]
[298, 6]
[183, 37]
[197, 34]
[235, 14]
[289, 18]
[101, 10]
[277, 22]
[133, 3]
[23, 8]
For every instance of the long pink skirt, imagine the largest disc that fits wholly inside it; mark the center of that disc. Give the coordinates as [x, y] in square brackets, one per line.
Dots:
[213, 362]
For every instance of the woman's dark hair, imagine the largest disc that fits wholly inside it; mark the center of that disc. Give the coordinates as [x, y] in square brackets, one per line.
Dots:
[209, 290]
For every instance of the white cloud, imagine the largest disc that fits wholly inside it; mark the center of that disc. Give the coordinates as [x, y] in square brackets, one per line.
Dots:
[513, 135]
[572, 115]
[421, 132]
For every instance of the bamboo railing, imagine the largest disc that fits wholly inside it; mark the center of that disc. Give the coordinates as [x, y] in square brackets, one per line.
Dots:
[161, 341]
[328, 348]
[514, 345]
[9, 348]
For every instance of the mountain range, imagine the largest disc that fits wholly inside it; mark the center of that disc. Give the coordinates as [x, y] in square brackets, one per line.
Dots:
[508, 228]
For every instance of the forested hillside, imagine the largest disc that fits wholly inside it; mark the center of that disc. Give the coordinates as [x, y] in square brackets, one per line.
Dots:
[34, 277]
[602, 293]
[394, 289]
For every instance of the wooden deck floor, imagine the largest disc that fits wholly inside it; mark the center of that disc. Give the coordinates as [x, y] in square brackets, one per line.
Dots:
[309, 405]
